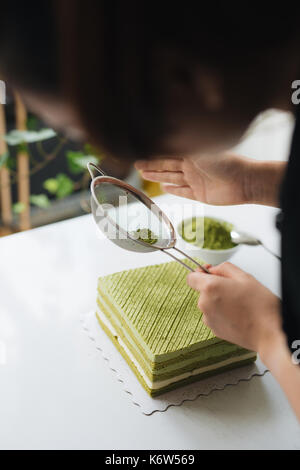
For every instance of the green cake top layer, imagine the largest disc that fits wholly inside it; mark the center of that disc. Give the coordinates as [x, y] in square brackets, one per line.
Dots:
[157, 303]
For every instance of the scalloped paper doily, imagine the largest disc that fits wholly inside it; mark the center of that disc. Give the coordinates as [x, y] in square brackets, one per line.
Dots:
[138, 395]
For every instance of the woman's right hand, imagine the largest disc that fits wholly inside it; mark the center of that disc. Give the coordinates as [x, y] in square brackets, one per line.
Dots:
[225, 179]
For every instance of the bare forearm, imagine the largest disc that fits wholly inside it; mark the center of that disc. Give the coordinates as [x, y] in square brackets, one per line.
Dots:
[279, 361]
[263, 181]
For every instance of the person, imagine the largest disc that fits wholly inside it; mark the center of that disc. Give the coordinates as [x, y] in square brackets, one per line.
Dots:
[234, 304]
[144, 80]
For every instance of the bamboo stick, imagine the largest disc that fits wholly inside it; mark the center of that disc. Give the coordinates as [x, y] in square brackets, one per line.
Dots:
[23, 168]
[5, 187]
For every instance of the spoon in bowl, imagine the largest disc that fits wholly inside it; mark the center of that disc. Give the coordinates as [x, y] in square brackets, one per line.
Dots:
[241, 238]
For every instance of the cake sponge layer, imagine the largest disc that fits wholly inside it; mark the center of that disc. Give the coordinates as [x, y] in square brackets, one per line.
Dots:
[212, 354]
[177, 381]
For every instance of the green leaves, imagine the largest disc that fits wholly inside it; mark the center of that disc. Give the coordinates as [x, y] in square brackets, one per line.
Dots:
[3, 159]
[61, 186]
[77, 161]
[16, 137]
[65, 186]
[32, 123]
[51, 185]
[19, 207]
[40, 200]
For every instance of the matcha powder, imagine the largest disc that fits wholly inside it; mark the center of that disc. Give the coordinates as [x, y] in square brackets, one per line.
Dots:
[216, 234]
[146, 236]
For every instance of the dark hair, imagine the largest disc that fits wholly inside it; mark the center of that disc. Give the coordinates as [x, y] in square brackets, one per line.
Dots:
[28, 45]
[124, 63]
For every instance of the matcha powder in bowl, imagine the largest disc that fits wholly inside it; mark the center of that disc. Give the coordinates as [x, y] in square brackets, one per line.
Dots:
[210, 237]
[217, 235]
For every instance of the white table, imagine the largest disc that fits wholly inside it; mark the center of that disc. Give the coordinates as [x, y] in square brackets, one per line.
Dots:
[58, 392]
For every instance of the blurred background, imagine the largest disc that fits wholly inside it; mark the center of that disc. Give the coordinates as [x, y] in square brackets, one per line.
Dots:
[43, 175]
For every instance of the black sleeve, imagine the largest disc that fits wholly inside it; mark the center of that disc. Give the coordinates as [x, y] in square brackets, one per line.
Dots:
[289, 224]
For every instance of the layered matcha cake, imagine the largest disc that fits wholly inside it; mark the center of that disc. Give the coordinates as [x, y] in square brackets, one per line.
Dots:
[151, 315]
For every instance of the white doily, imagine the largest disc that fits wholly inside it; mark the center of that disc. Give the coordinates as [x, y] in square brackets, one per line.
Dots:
[139, 396]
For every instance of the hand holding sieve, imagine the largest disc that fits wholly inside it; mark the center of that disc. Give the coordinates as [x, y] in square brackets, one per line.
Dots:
[111, 200]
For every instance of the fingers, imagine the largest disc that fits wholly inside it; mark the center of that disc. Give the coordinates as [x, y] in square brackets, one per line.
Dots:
[211, 289]
[159, 165]
[198, 280]
[173, 177]
[208, 283]
[228, 270]
[206, 266]
[181, 191]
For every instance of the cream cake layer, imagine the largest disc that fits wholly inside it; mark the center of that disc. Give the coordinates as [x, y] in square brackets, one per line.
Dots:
[204, 356]
[162, 386]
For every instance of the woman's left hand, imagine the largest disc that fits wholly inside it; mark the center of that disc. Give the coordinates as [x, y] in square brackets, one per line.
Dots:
[237, 307]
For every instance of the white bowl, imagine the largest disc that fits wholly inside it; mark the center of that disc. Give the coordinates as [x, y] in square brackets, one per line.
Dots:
[213, 257]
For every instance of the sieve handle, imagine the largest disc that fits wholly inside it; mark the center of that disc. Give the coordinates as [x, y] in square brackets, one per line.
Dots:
[183, 263]
[191, 259]
[92, 167]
